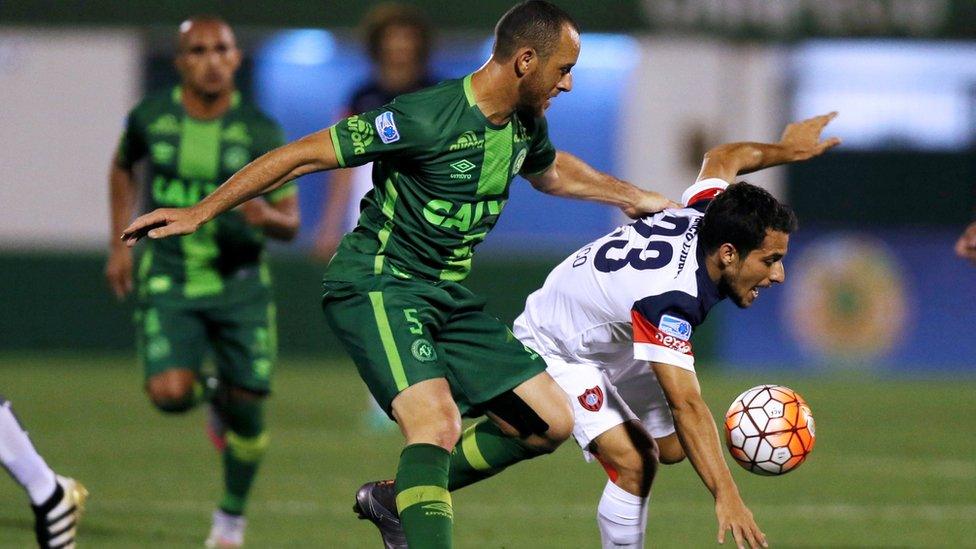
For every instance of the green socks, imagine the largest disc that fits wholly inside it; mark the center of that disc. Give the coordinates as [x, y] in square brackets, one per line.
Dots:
[422, 498]
[484, 451]
[246, 444]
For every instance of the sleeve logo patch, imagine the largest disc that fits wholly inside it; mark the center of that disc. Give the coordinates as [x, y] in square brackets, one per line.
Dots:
[676, 327]
[386, 128]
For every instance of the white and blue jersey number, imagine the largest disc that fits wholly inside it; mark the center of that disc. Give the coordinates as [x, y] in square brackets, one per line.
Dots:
[616, 254]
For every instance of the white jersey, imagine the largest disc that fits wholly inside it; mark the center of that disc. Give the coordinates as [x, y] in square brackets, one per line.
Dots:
[635, 294]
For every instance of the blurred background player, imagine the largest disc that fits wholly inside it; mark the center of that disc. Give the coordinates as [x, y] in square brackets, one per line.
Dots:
[211, 289]
[398, 40]
[57, 502]
[966, 245]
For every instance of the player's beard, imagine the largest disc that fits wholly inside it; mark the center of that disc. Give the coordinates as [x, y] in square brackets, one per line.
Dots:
[535, 96]
[725, 289]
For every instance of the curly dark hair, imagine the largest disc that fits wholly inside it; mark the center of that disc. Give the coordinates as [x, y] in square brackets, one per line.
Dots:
[393, 14]
[741, 216]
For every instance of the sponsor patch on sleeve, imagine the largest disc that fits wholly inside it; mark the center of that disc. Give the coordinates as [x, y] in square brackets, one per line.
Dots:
[386, 128]
[674, 326]
[645, 332]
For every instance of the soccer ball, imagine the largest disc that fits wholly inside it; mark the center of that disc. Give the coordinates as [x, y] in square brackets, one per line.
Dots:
[769, 430]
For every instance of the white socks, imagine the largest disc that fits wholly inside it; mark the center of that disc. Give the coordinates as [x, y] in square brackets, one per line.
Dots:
[19, 457]
[622, 517]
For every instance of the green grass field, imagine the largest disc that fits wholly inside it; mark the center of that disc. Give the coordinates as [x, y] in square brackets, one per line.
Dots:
[894, 466]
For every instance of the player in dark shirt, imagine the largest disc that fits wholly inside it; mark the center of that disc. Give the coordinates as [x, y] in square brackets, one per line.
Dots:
[398, 39]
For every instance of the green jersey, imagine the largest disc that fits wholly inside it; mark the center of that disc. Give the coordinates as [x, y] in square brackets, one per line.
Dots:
[441, 174]
[187, 160]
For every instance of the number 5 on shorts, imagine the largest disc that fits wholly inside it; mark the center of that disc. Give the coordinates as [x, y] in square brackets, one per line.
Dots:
[416, 328]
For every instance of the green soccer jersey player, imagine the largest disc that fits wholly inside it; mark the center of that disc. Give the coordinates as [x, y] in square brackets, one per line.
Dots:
[209, 290]
[443, 159]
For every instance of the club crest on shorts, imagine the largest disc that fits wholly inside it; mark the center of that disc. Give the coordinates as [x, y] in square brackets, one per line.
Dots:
[591, 399]
[423, 350]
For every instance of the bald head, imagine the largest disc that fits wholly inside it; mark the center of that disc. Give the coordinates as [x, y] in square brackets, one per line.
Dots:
[207, 55]
[203, 23]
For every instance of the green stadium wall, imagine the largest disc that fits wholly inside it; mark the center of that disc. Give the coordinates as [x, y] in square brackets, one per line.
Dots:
[60, 301]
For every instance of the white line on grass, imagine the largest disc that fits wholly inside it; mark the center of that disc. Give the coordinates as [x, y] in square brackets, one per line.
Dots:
[802, 511]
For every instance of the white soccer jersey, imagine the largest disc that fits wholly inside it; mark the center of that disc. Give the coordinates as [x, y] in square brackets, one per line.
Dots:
[635, 294]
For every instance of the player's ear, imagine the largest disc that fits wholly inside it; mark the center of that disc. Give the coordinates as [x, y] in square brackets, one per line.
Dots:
[727, 254]
[525, 61]
[236, 56]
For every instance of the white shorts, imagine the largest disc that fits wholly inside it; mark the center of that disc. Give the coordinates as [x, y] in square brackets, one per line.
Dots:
[602, 400]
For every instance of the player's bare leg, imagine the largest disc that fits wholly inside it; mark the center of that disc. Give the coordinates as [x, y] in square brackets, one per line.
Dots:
[630, 457]
[173, 391]
[538, 408]
[669, 449]
[531, 420]
[431, 424]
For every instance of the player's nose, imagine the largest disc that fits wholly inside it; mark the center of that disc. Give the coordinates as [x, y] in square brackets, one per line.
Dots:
[778, 273]
[565, 83]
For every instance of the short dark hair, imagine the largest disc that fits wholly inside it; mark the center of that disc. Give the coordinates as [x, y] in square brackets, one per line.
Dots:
[393, 14]
[534, 23]
[741, 216]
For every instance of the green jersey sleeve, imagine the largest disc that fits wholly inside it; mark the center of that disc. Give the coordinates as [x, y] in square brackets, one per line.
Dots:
[132, 144]
[392, 131]
[268, 140]
[541, 153]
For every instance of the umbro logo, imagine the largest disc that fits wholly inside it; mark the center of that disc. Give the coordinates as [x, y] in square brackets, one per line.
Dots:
[463, 166]
[468, 140]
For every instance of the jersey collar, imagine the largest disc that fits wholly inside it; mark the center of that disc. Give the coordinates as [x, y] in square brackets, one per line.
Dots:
[177, 97]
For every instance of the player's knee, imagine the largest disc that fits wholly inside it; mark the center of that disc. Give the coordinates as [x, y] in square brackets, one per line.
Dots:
[670, 450]
[171, 392]
[560, 429]
[439, 424]
[670, 456]
[444, 431]
[638, 464]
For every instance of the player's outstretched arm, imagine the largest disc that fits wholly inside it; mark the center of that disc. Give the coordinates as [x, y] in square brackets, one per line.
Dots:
[309, 154]
[571, 177]
[699, 437]
[800, 141]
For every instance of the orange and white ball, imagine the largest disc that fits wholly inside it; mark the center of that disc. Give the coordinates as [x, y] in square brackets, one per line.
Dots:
[769, 430]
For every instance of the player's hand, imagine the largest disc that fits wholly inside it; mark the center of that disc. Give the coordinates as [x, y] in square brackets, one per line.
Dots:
[802, 139]
[162, 223]
[648, 203]
[256, 212]
[733, 515]
[118, 271]
[966, 245]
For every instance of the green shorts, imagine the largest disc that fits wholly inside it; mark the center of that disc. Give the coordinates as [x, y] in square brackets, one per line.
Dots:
[239, 329]
[400, 332]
